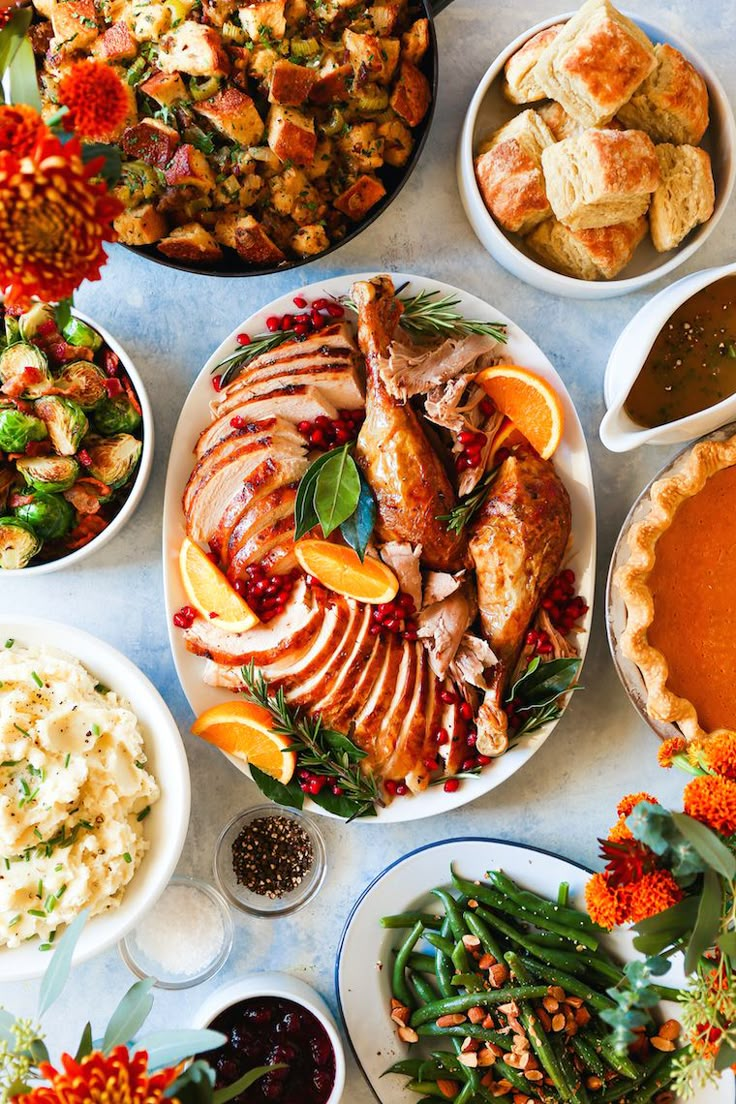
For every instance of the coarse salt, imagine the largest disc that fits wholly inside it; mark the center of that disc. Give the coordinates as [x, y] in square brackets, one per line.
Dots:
[182, 934]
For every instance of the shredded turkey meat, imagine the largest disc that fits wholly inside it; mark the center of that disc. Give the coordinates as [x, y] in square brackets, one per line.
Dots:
[403, 559]
[411, 369]
[439, 585]
[473, 658]
[442, 626]
[455, 406]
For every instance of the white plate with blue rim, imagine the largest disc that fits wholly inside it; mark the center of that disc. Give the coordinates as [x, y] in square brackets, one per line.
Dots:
[365, 953]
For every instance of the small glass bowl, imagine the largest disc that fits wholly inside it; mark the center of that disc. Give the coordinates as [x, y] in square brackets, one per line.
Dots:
[142, 966]
[255, 903]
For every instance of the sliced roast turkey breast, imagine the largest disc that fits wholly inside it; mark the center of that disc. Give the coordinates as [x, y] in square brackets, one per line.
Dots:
[333, 338]
[345, 712]
[293, 402]
[338, 382]
[283, 639]
[222, 427]
[394, 716]
[245, 515]
[256, 548]
[357, 648]
[412, 734]
[311, 690]
[336, 618]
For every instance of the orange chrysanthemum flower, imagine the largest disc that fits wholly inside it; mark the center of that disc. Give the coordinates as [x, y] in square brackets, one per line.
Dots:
[719, 753]
[653, 893]
[711, 799]
[669, 749]
[54, 218]
[116, 1078]
[607, 905]
[21, 127]
[620, 831]
[627, 804]
[98, 101]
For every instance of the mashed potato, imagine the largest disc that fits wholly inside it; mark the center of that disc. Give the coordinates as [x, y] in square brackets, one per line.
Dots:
[74, 793]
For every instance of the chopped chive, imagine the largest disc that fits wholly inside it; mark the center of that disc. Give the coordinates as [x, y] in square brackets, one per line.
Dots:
[50, 903]
[143, 813]
[32, 796]
[37, 912]
[60, 893]
[66, 760]
[86, 824]
[96, 729]
[128, 857]
[23, 730]
[36, 679]
[139, 765]
[10, 762]
[7, 863]
[37, 833]
[44, 947]
[25, 787]
[10, 642]
[16, 920]
[58, 867]
[101, 688]
[39, 889]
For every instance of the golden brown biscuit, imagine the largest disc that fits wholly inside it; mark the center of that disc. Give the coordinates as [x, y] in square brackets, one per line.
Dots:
[520, 83]
[509, 173]
[600, 177]
[587, 254]
[672, 103]
[685, 196]
[563, 125]
[596, 63]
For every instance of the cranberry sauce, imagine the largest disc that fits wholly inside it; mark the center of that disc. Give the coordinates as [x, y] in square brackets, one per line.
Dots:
[263, 1031]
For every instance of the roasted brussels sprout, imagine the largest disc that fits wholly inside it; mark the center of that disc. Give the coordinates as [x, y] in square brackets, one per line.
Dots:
[49, 515]
[49, 474]
[77, 332]
[26, 368]
[83, 383]
[116, 415]
[113, 459]
[18, 544]
[30, 323]
[65, 421]
[17, 429]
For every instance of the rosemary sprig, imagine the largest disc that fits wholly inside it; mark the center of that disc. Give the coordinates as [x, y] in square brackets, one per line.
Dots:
[425, 314]
[320, 750]
[466, 509]
[263, 343]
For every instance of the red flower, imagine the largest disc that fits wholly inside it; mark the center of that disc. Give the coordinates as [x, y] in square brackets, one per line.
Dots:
[54, 219]
[117, 1078]
[627, 860]
[21, 127]
[98, 101]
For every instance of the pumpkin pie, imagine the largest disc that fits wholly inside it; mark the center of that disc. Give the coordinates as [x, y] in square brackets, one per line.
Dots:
[679, 587]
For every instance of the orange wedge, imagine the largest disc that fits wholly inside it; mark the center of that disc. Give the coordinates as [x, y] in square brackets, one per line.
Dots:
[210, 593]
[339, 568]
[529, 401]
[507, 437]
[246, 731]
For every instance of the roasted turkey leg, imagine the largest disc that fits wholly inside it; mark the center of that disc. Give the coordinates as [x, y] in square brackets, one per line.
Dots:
[407, 477]
[517, 545]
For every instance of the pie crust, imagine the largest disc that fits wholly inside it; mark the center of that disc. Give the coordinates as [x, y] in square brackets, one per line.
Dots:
[632, 579]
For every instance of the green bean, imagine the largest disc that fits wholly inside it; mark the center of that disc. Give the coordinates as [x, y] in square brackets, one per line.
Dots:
[454, 915]
[421, 963]
[460, 957]
[398, 979]
[563, 894]
[430, 1070]
[586, 1050]
[440, 943]
[569, 983]
[422, 986]
[656, 1080]
[429, 1088]
[573, 1079]
[559, 959]
[536, 1034]
[533, 903]
[408, 1066]
[515, 1077]
[621, 1063]
[465, 1001]
[409, 919]
[466, 1031]
[488, 941]
[443, 966]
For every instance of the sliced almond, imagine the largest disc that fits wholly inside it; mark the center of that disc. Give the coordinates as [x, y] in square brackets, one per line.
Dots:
[448, 1088]
[504, 1085]
[558, 1022]
[452, 1019]
[594, 1083]
[396, 1003]
[468, 1058]
[509, 1009]
[408, 1035]
[545, 1019]
[476, 1015]
[401, 1015]
[471, 942]
[469, 1044]
[661, 1044]
[534, 1075]
[574, 1002]
[550, 1004]
[557, 992]
[488, 1023]
[486, 1057]
[582, 1016]
[498, 975]
[520, 1098]
[486, 961]
[472, 903]
[670, 1029]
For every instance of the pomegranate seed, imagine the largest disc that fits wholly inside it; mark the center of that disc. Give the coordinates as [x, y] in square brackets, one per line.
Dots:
[448, 697]
[303, 427]
[238, 422]
[484, 760]
[300, 301]
[390, 787]
[470, 764]
[402, 789]
[451, 785]
[431, 764]
[335, 310]
[318, 321]
[217, 383]
[466, 711]
[487, 407]
[338, 791]
[213, 616]
[411, 635]
[320, 304]
[301, 328]
[273, 324]
[471, 739]
[243, 339]
[287, 322]
[184, 618]
[442, 736]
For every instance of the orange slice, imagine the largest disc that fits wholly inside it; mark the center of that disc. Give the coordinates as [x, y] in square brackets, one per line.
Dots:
[339, 568]
[210, 593]
[529, 401]
[507, 437]
[245, 730]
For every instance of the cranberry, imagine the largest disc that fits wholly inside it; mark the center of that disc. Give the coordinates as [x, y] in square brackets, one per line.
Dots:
[451, 785]
[322, 1082]
[259, 1014]
[320, 1049]
[292, 1021]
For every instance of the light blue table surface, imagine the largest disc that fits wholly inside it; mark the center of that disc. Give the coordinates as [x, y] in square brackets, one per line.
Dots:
[564, 798]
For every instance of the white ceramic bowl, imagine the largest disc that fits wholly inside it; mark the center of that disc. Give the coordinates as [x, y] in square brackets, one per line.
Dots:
[165, 827]
[141, 476]
[288, 988]
[618, 432]
[489, 110]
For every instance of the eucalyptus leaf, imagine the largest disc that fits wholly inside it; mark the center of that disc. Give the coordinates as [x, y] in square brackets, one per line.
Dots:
[653, 944]
[305, 515]
[707, 923]
[337, 491]
[168, 1048]
[358, 528]
[85, 1043]
[129, 1016]
[12, 35]
[39, 1052]
[726, 1057]
[57, 974]
[290, 795]
[229, 1092]
[194, 1086]
[22, 77]
[710, 848]
[678, 918]
[656, 827]
[727, 943]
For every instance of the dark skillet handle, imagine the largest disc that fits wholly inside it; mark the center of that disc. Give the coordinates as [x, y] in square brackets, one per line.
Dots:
[436, 6]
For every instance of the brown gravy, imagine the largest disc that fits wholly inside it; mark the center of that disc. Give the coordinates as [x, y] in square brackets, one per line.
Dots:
[692, 364]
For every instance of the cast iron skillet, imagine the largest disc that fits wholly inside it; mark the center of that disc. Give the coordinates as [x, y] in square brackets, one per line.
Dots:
[394, 180]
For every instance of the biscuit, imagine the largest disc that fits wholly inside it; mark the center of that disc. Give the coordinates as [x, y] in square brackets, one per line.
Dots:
[672, 103]
[563, 125]
[685, 196]
[520, 83]
[587, 254]
[596, 63]
[509, 173]
[600, 177]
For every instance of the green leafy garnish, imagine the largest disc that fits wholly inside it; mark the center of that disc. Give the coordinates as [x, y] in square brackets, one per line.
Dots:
[538, 691]
[425, 314]
[337, 491]
[463, 513]
[334, 495]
